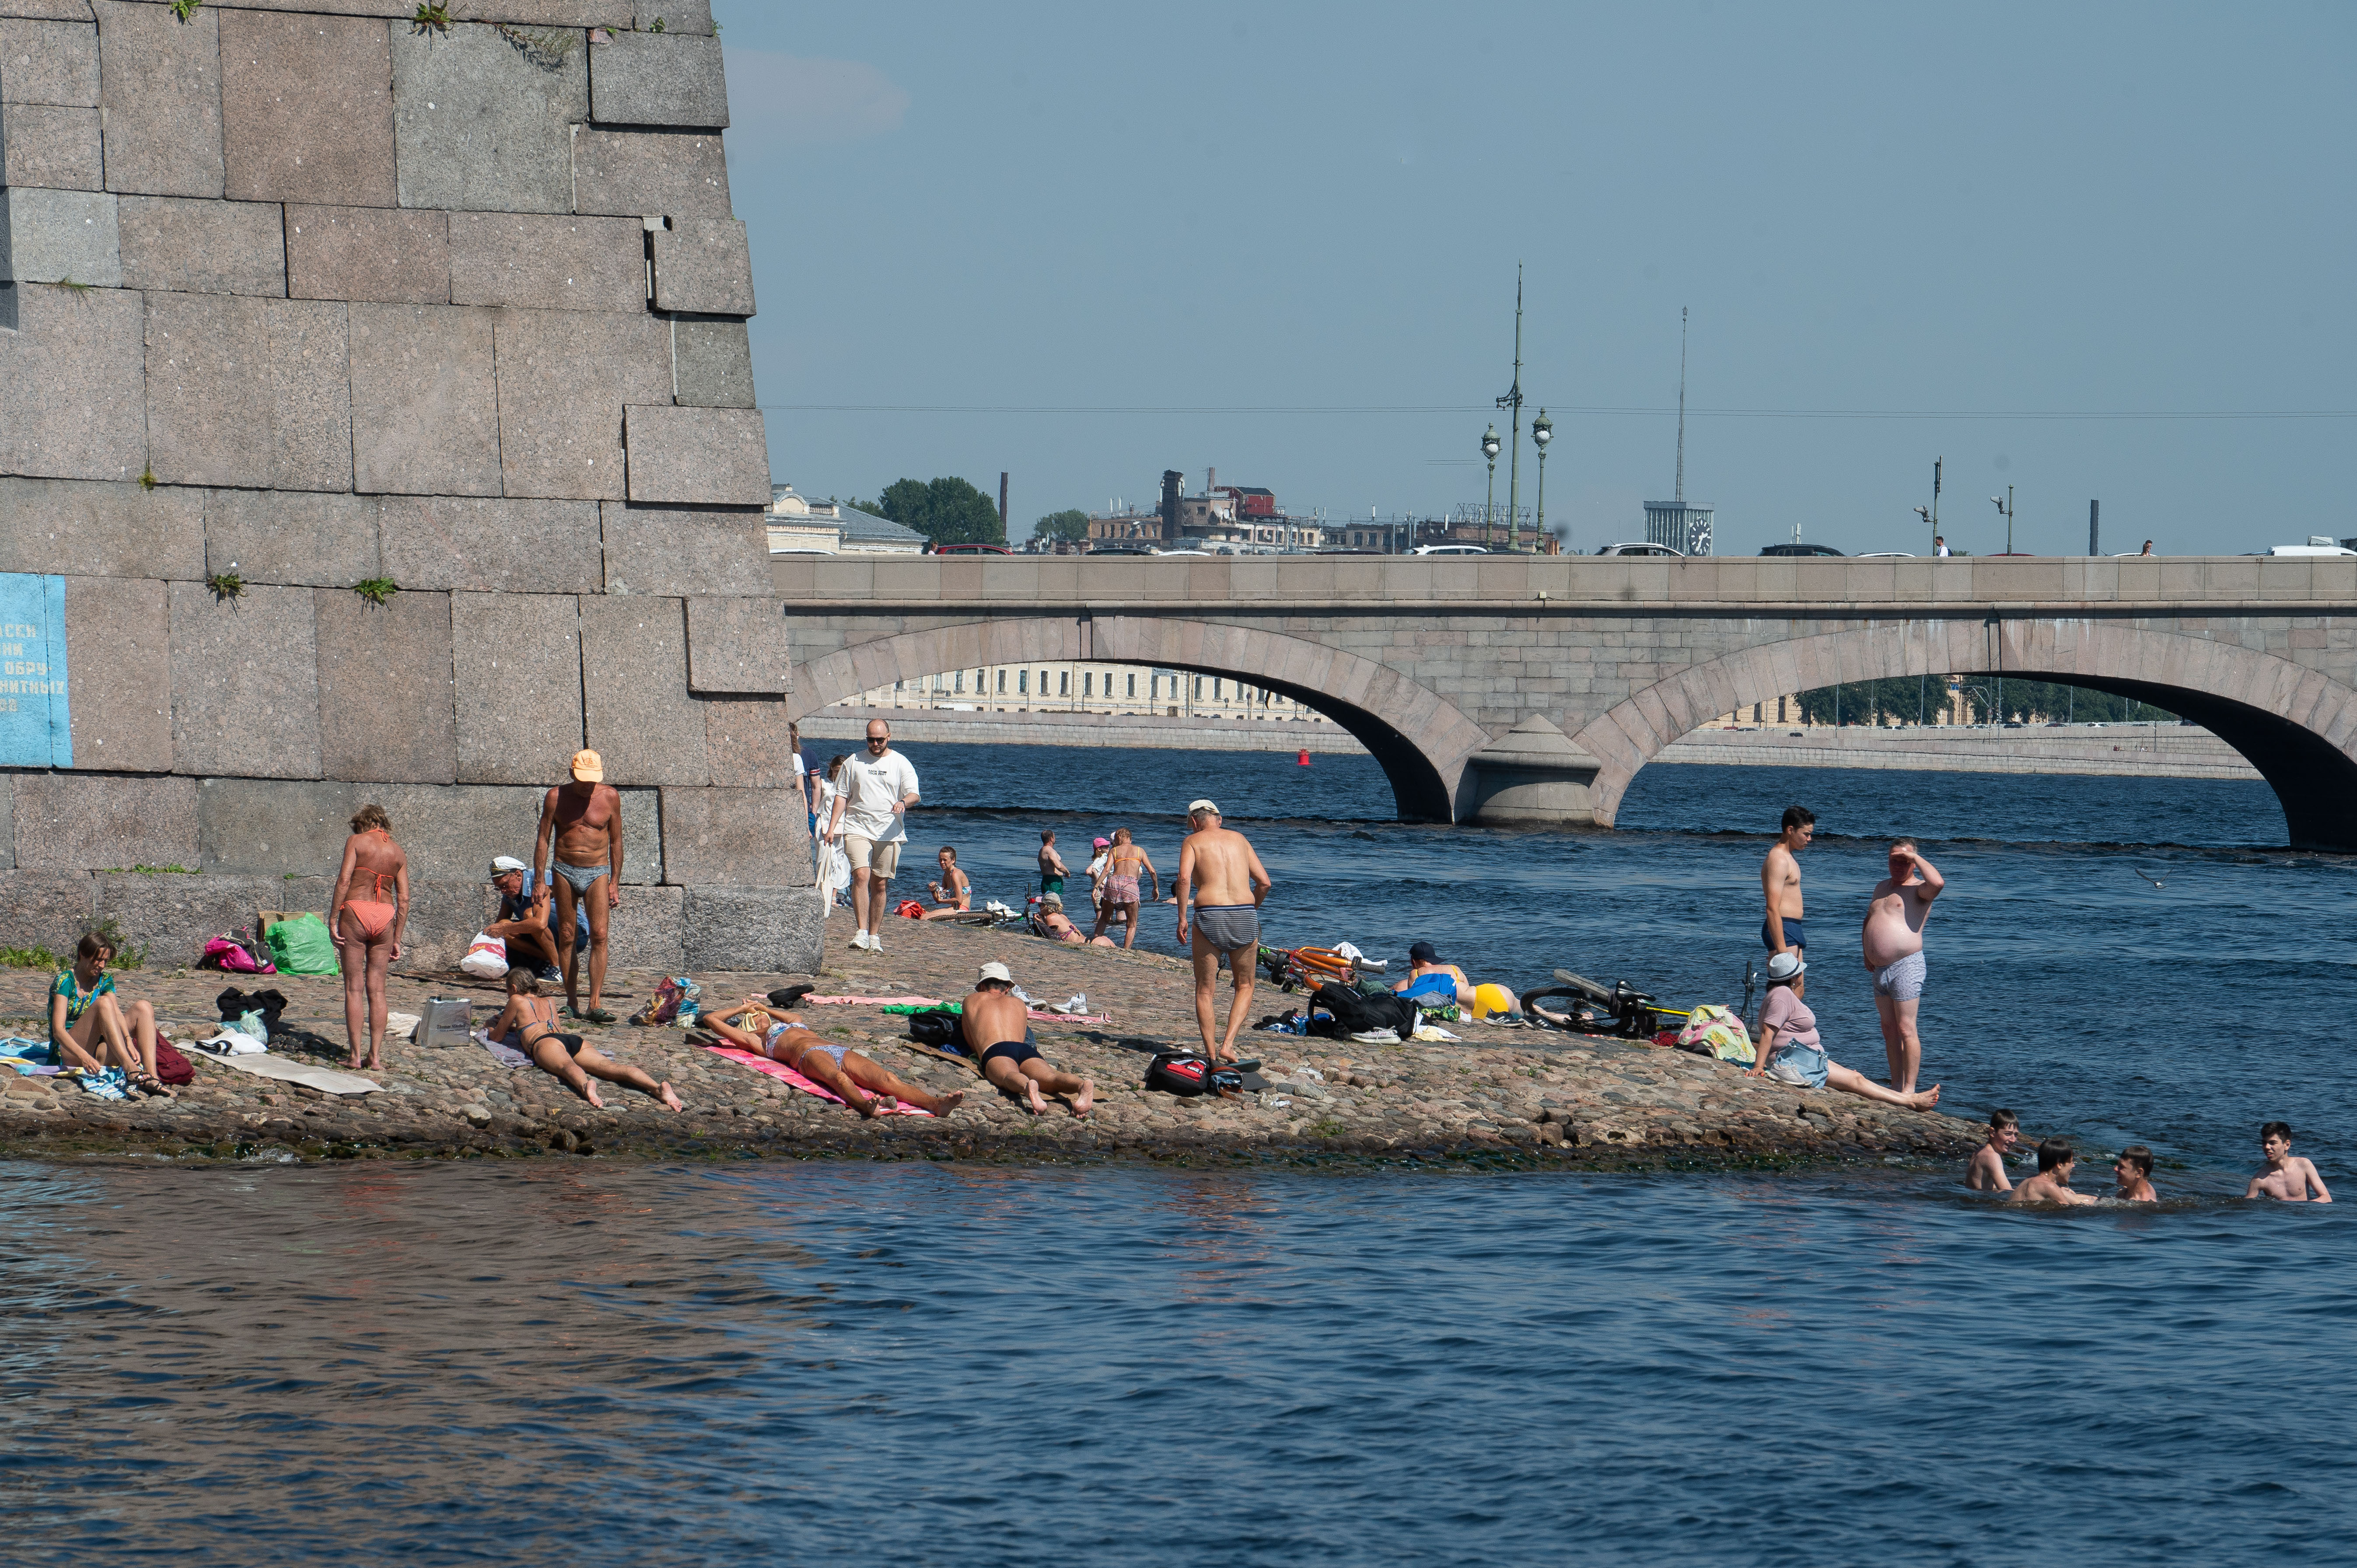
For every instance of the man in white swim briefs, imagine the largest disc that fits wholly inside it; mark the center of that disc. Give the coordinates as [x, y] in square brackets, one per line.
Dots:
[1222, 883]
[1893, 945]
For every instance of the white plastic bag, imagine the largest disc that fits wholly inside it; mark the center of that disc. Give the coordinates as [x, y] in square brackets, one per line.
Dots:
[487, 958]
[228, 1042]
[449, 1021]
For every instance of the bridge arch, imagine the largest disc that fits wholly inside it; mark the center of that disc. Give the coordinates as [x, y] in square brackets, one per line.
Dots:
[2295, 725]
[1420, 740]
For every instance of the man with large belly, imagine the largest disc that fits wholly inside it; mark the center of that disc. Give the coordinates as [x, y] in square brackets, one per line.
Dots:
[1893, 944]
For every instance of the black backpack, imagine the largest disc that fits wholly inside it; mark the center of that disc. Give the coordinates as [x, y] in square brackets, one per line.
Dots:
[938, 1030]
[1357, 1013]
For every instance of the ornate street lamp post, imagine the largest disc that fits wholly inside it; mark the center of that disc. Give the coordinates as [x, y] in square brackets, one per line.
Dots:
[1490, 502]
[1542, 432]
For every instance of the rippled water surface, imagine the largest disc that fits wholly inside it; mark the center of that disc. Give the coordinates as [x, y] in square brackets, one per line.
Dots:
[581, 1361]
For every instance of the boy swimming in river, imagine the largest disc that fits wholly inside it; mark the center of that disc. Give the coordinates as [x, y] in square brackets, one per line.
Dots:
[2052, 1182]
[1985, 1172]
[2287, 1177]
[2133, 1171]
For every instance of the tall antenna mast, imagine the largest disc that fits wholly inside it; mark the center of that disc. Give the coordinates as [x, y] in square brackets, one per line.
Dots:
[1513, 400]
[1681, 496]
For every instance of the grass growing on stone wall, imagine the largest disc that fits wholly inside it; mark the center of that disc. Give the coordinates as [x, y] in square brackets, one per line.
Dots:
[544, 48]
[71, 287]
[225, 585]
[148, 480]
[431, 18]
[110, 931]
[153, 870]
[376, 590]
[187, 9]
[29, 958]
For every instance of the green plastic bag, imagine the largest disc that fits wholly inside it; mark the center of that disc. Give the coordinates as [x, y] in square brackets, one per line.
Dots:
[302, 946]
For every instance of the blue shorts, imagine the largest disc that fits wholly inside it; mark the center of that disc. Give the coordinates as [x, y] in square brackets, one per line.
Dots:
[1793, 937]
[1803, 1067]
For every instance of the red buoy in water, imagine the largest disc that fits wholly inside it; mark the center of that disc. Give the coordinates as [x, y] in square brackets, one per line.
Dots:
[1304, 757]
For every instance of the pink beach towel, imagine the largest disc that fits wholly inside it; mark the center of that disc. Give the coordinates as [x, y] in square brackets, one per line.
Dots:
[1036, 1015]
[763, 1063]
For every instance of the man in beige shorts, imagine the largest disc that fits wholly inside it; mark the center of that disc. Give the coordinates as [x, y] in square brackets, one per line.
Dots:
[871, 818]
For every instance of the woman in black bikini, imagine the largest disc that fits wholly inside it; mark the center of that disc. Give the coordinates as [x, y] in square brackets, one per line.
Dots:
[530, 1019]
[840, 1070]
[367, 926]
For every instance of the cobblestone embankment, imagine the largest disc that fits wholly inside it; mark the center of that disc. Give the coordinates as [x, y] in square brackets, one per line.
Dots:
[1513, 1096]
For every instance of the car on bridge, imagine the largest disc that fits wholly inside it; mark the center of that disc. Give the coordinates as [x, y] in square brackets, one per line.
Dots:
[1798, 549]
[1641, 548]
[972, 550]
[1448, 550]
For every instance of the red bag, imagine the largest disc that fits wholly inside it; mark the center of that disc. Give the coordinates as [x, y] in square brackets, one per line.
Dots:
[910, 909]
[170, 1064]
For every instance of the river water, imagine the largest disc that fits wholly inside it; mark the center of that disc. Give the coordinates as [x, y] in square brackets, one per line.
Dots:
[584, 1361]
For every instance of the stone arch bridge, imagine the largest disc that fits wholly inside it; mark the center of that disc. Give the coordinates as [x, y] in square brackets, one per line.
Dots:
[1533, 689]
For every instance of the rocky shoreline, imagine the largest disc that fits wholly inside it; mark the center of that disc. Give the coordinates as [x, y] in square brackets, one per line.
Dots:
[1505, 1097]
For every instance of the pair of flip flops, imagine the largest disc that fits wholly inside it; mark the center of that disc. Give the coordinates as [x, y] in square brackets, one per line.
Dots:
[594, 1015]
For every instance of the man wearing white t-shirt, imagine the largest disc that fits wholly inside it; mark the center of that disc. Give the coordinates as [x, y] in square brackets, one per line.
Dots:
[871, 818]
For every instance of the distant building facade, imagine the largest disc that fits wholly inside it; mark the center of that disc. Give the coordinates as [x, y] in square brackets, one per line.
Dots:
[1086, 687]
[1682, 525]
[800, 526]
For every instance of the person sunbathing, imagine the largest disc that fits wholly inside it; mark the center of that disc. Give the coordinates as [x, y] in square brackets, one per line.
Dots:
[997, 1034]
[531, 1019]
[1050, 922]
[863, 1084]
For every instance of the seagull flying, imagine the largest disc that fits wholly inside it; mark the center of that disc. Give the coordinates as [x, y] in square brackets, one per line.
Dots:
[2139, 871]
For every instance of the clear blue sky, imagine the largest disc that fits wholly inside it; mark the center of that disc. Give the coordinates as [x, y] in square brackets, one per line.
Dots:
[1268, 218]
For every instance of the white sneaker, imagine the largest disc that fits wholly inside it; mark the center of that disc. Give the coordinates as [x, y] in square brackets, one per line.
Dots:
[875, 941]
[859, 939]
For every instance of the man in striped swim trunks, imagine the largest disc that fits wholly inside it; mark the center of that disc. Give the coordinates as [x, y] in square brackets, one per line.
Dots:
[1893, 944]
[1224, 882]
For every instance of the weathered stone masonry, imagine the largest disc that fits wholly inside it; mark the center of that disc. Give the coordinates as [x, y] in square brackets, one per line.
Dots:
[297, 291]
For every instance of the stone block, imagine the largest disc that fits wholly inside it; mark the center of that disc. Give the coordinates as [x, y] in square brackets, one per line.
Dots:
[657, 78]
[634, 686]
[704, 266]
[720, 838]
[737, 645]
[245, 688]
[169, 918]
[8, 821]
[698, 456]
[180, 244]
[49, 147]
[385, 706]
[55, 236]
[517, 661]
[711, 364]
[160, 93]
[45, 10]
[503, 546]
[648, 930]
[690, 17]
[424, 401]
[306, 109]
[49, 62]
[46, 908]
[442, 920]
[375, 253]
[749, 741]
[544, 13]
[547, 263]
[63, 375]
[564, 379]
[294, 538]
[770, 931]
[119, 654]
[678, 551]
[310, 394]
[642, 174]
[248, 392]
[483, 117]
[88, 821]
[119, 530]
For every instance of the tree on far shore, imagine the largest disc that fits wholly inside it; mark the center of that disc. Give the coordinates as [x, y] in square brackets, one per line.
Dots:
[1910, 699]
[947, 511]
[1067, 527]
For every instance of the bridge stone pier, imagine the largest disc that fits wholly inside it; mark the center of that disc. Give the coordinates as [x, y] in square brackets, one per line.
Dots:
[1533, 689]
[296, 297]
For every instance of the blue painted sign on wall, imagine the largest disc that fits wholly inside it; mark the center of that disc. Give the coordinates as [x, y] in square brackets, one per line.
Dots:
[36, 726]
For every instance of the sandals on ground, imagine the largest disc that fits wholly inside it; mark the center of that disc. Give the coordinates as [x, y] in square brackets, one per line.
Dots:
[148, 1083]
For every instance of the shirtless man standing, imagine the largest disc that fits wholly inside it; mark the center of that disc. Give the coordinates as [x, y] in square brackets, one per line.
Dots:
[1893, 941]
[1223, 880]
[582, 821]
[1779, 877]
[997, 1031]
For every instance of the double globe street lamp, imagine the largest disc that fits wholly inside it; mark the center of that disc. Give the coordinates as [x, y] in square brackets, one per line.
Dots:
[1542, 432]
[1490, 449]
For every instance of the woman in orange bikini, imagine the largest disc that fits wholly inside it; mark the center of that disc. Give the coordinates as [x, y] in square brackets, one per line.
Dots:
[368, 926]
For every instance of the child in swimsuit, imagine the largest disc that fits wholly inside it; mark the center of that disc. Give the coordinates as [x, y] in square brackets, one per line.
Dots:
[866, 1086]
[89, 1021]
[529, 1025]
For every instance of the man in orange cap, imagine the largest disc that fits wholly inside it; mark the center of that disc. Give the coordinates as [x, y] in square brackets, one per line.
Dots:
[582, 823]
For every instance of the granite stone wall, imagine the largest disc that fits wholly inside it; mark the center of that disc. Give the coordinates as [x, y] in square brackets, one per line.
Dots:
[296, 294]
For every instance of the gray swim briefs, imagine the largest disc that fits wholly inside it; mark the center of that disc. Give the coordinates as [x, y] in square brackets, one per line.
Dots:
[1228, 927]
[1901, 981]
